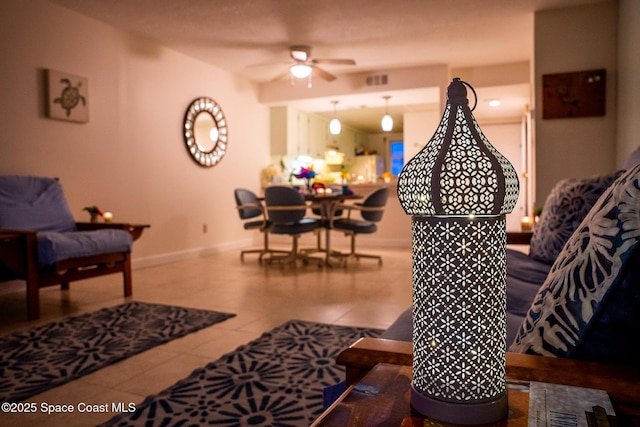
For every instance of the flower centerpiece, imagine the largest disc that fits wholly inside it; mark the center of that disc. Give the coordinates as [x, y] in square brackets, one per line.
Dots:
[307, 174]
[94, 211]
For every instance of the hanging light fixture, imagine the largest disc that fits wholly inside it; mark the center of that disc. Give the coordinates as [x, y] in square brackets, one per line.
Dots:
[300, 71]
[335, 127]
[458, 189]
[387, 120]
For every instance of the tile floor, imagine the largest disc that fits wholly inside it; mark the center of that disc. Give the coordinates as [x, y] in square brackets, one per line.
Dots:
[364, 294]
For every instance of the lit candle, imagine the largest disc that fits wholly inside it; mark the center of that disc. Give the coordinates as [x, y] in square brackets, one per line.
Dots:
[526, 224]
[320, 191]
[328, 192]
[108, 216]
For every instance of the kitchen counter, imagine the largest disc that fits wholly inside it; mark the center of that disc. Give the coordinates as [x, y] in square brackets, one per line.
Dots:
[365, 188]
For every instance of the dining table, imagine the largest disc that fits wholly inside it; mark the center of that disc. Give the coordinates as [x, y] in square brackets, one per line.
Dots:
[325, 203]
[326, 206]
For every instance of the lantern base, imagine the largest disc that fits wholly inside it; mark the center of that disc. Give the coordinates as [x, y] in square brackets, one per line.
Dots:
[462, 412]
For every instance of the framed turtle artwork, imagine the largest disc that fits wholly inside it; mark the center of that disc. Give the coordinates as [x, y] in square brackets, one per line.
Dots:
[67, 96]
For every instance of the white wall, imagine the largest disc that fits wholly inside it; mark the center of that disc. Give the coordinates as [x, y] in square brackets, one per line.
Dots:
[566, 40]
[130, 158]
[419, 127]
[628, 81]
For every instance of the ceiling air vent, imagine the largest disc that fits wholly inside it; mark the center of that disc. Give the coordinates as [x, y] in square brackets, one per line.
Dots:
[377, 80]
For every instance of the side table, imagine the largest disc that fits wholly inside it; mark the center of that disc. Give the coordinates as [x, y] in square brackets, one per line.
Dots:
[622, 383]
[382, 398]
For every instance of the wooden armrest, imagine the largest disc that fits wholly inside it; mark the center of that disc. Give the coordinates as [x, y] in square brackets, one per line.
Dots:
[359, 207]
[90, 226]
[349, 208]
[364, 354]
[287, 208]
[250, 206]
[134, 229]
[370, 208]
[519, 237]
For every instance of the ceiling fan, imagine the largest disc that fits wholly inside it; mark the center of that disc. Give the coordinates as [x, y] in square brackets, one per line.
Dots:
[304, 65]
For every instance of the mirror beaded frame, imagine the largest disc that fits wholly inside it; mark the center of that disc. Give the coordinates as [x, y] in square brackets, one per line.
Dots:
[203, 157]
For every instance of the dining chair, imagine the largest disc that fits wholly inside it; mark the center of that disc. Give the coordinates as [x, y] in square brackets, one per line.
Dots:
[286, 210]
[371, 210]
[251, 211]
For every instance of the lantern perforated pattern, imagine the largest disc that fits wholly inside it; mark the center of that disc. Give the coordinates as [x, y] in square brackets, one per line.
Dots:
[458, 189]
[459, 323]
[469, 183]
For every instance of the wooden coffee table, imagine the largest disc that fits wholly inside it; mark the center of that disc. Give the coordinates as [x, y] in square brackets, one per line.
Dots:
[384, 392]
[382, 398]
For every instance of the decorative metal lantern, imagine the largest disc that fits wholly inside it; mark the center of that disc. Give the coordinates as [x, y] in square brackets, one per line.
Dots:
[458, 189]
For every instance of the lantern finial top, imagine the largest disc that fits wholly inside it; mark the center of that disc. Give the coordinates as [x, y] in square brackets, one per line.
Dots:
[457, 93]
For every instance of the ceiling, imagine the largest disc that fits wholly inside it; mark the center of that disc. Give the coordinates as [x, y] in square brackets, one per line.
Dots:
[238, 35]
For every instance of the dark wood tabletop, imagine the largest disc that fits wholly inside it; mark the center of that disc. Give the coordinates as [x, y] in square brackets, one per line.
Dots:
[382, 397]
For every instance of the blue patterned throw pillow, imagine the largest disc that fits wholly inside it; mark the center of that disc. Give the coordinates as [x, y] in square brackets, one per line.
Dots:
[565, 208]
[589, 305]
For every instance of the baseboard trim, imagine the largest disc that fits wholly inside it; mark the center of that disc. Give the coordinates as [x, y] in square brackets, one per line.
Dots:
[169, 257]
[165, 258]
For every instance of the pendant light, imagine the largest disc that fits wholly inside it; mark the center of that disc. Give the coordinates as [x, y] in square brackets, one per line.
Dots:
[387, 121]
[335, 127]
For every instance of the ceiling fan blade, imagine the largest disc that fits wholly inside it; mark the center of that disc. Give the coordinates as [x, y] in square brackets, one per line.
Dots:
[268, 64]
[335, 61]
[324, 74]
[281, 76]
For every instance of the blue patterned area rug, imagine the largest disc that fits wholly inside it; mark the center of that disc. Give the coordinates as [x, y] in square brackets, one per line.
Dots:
[46, 356]
[275, 380]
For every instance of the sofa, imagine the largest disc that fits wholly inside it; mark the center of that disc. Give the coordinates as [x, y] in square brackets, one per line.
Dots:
[574, 295]
[42, 244]
[567, 205]
[563, 266]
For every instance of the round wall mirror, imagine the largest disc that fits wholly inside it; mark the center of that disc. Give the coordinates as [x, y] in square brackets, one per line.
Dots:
[205, 132]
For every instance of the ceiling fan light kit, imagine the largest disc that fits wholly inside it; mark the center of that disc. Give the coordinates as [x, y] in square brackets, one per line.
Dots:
[300, 71]
[304, 66]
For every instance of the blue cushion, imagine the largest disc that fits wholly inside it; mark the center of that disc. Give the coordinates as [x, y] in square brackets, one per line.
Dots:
[331, 393]
[302, 226]
[401, 329]
[356, 225]
[525, 275]
[514, 321]
[589, 306]
[34, 203]
[633, 160]
[565, 208]
[54, 246]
